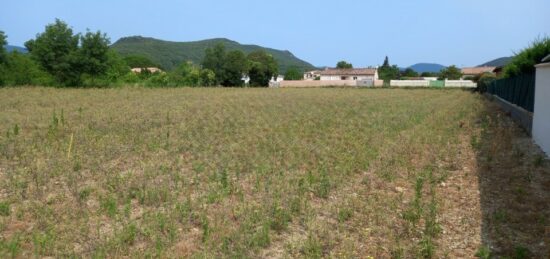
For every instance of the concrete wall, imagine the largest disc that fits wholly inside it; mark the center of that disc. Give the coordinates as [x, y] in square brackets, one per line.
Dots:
[541, 118]
[409, 83]
[460, 83]
[339, 77]
[317, 83]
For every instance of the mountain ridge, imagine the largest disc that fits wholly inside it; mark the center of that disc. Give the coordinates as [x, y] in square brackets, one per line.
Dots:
[498, 62]
[427, 67]
[170, 54]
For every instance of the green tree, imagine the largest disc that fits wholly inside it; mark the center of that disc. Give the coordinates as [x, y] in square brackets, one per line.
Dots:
[3, 58]
[294, 73]
[344, 65]
[388, 72]
[3, 52]
[207, 77]
[117, 67]
[428, 74]
[214, 59]
[136, 61]
[524, 62]
[262, 67]
[386, 62]
[450, 73]
[22, 70]
[94, 53]
[234, 67]
[56, 51]
[409, 72]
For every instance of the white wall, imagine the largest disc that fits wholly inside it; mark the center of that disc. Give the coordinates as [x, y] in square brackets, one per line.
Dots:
[339, 77]
[460, 83]
[541, 116]
[409, 83]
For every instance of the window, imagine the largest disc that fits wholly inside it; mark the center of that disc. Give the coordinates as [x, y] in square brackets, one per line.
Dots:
[354, 78]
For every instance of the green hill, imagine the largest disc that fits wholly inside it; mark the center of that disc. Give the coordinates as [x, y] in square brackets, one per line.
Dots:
[170, 54]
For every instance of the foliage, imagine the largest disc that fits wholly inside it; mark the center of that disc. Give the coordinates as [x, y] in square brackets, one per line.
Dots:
[171, 54]
[409, 72]
[388, 72]
[294, 73]
[344, 65]
[262, 68]
[70, 58]
[56, 51]
[136, 61]
[450, 73]
[234, 67]
[94, 53]
[189, 75]
[214, 59]
[483, 81]
[524, 62]
[429, 74]
[228, 68]
[22, 70]
[3, 52]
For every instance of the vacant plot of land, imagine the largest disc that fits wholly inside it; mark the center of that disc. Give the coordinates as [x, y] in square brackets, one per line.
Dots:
[266, 173]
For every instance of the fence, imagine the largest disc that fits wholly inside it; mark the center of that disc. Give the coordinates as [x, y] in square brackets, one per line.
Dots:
[433, 83]
[518, 90]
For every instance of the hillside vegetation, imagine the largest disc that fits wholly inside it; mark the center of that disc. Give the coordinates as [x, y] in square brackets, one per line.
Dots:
[170, 54]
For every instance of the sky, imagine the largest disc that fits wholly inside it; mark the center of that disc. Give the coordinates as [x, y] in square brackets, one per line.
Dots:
[363, 32]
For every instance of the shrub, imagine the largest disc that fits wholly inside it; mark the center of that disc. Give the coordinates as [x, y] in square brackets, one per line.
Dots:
[524, 61]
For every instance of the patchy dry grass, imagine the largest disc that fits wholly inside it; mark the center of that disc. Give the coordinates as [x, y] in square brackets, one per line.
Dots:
[250, 173]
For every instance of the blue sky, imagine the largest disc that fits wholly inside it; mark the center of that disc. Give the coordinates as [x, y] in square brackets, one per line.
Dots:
[461, 32]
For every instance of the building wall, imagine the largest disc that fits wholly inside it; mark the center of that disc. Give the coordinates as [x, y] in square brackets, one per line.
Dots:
[316, 83]
[541, 116]
[339, 77]
[409, 83]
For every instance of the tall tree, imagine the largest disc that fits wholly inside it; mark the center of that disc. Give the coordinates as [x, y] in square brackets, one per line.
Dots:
[214, 59]
[3, 52]
[388, 72]
[234, 67]
[56, 51]
[294, 73]
[3, 58]
[409, 72]
[262, 67]
[94, 53]
[450, 73]
[136, 61]
[344, 65]
[386, 62]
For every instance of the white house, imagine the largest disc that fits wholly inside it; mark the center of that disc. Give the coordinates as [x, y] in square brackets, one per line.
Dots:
[331, 74]
[312, 75]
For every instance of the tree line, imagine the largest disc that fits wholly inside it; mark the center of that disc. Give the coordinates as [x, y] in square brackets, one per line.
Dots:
[60, 57]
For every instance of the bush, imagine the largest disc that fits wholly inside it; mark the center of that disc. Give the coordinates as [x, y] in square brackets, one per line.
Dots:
[20, 69]
[483, 81]
[524, 61]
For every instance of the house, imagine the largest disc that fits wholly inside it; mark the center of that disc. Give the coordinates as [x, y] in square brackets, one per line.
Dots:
[312, 75]
[138, 70]
[474, 71]
[331, 74]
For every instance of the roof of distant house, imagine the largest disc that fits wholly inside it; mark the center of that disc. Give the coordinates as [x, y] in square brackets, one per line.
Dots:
[348, 72]
[477, 70]
[546, 59]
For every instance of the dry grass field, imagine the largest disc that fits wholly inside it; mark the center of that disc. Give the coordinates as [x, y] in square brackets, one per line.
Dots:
[267, 173]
